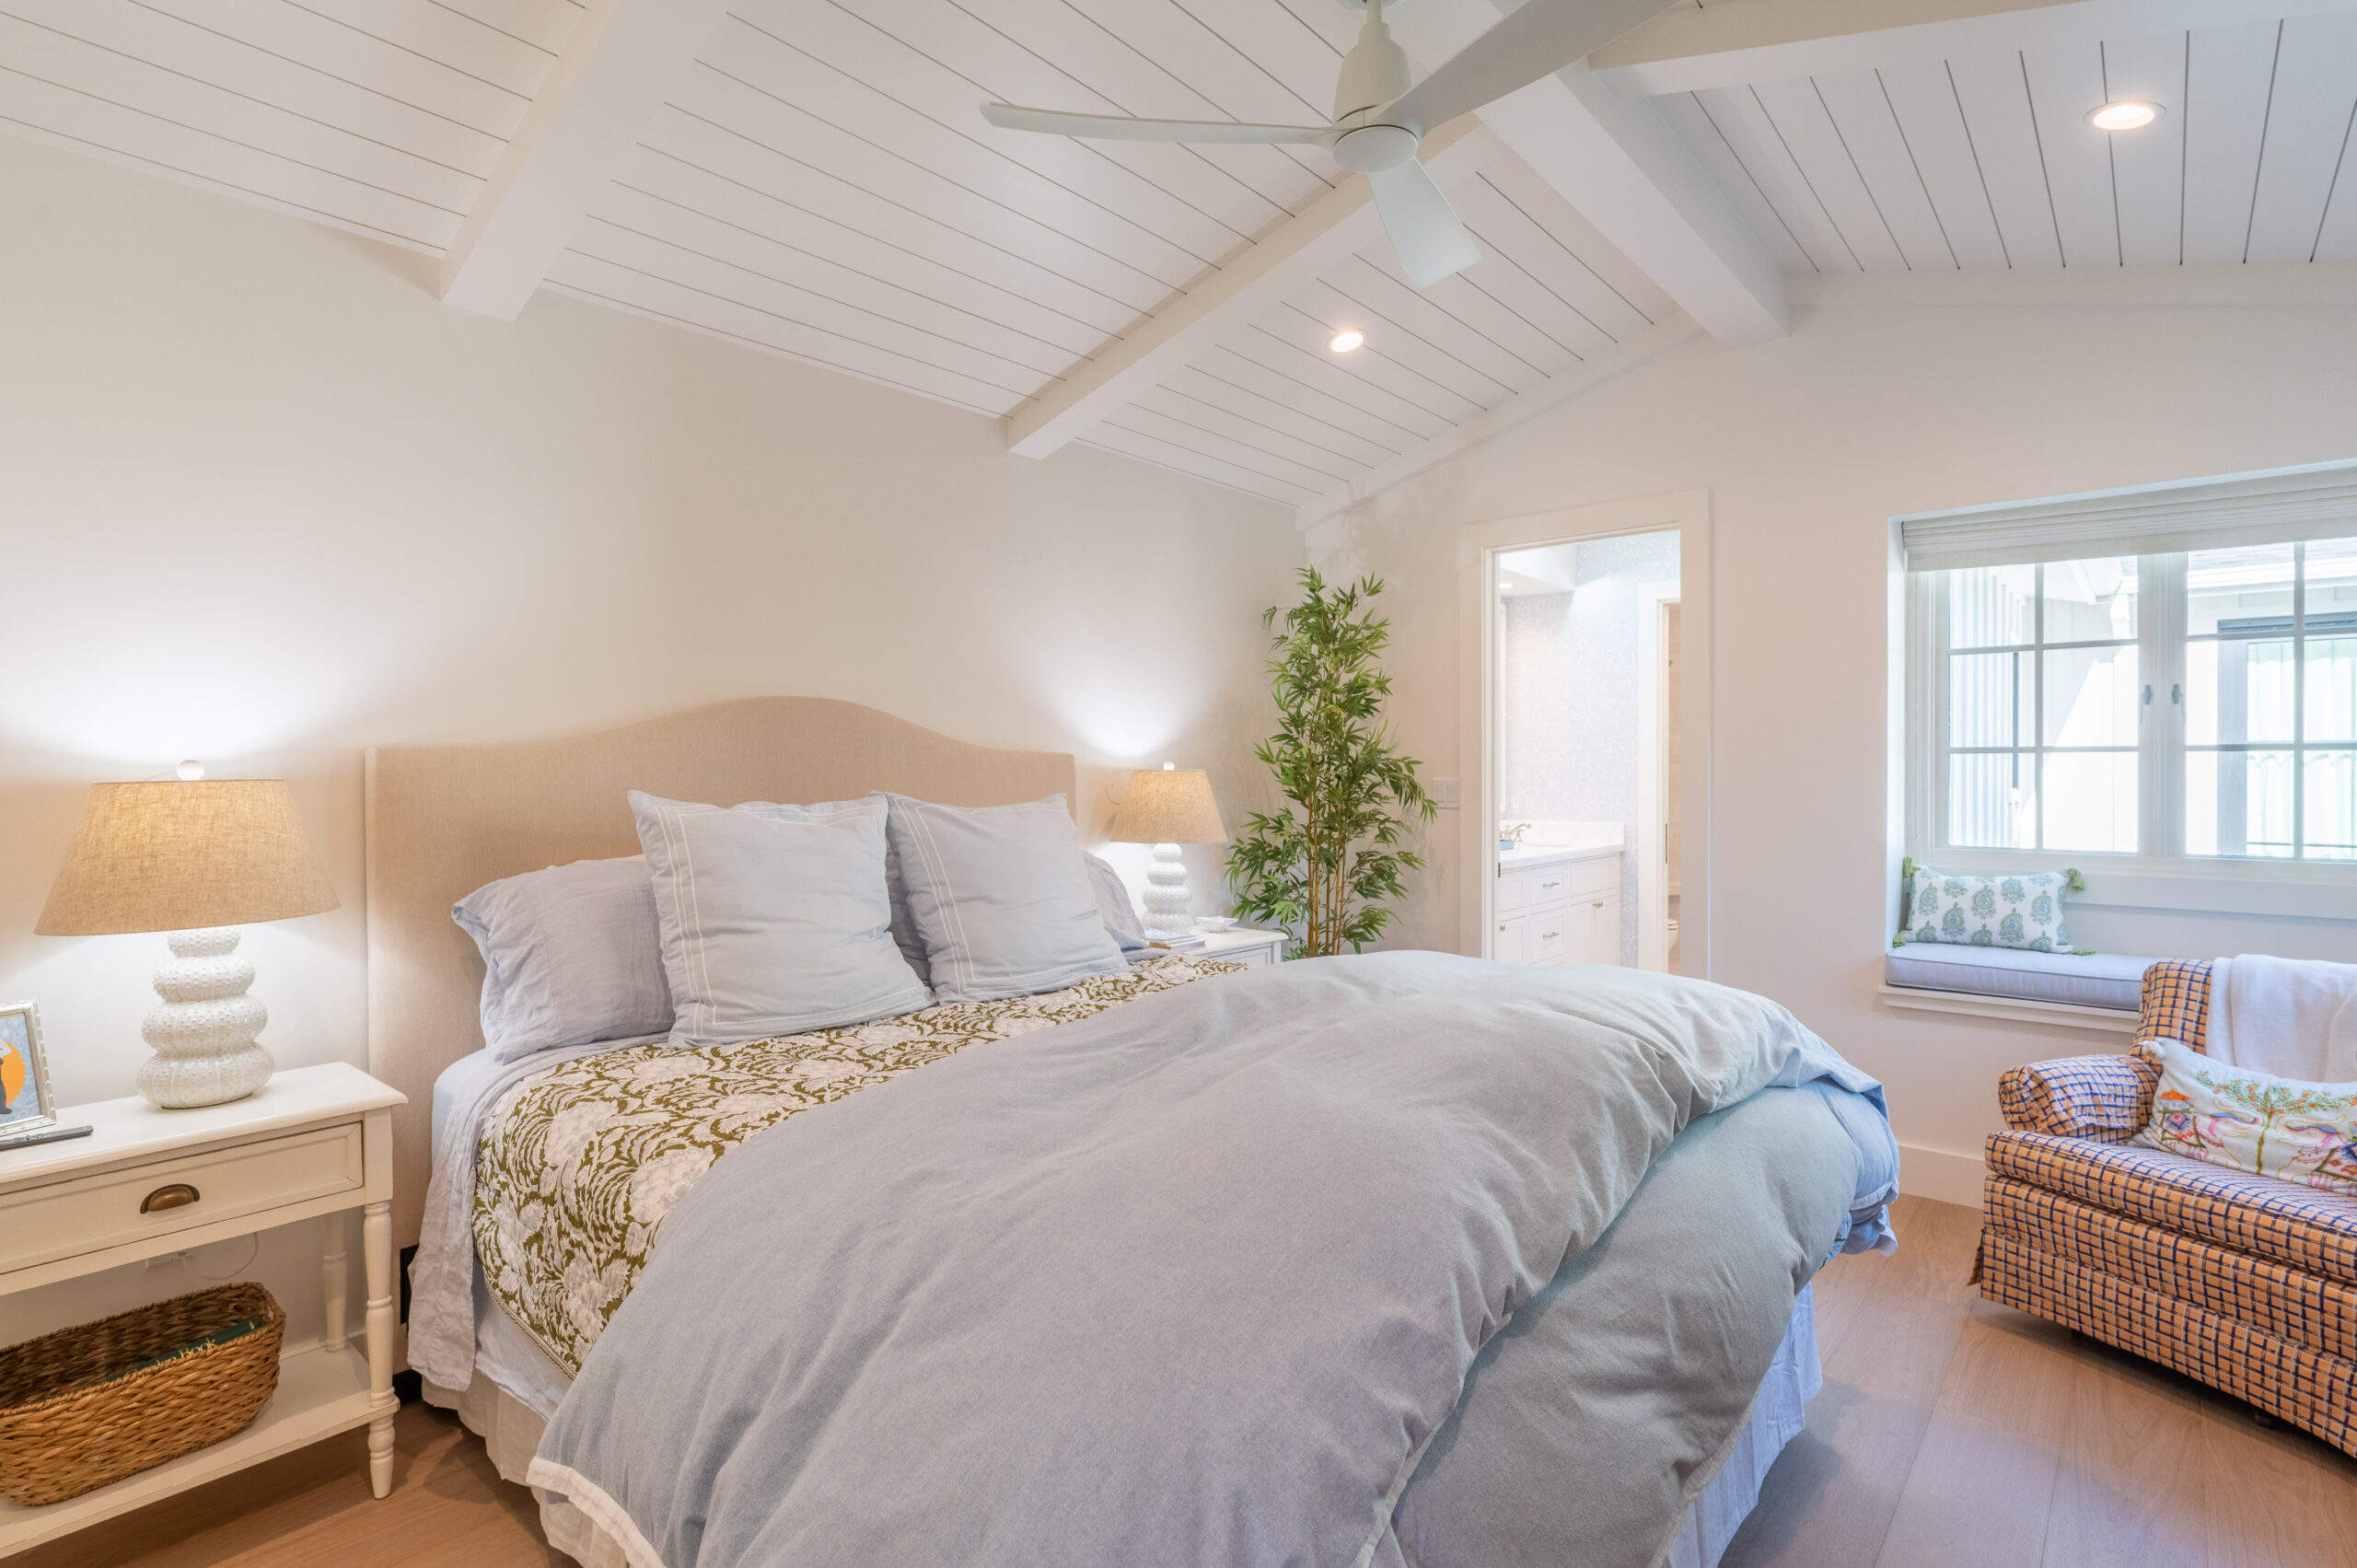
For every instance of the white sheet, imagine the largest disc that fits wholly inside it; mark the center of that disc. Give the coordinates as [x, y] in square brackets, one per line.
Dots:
[2292, 1019]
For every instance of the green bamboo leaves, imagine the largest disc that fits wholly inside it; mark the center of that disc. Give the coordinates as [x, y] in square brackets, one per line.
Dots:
[1324, 867]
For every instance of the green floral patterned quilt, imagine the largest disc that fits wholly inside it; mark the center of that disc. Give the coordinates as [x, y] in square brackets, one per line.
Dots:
[579, 1166]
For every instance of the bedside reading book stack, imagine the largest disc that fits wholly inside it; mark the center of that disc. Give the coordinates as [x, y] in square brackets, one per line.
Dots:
[1177, 941]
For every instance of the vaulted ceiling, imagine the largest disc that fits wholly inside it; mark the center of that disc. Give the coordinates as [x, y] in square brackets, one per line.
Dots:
[812, 178]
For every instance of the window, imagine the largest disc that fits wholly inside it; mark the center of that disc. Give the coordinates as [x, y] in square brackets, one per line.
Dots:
[2161, 674]
[2041, 703]
[2270, 701]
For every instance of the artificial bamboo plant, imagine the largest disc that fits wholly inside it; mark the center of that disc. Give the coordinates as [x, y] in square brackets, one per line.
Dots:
[1323, 866]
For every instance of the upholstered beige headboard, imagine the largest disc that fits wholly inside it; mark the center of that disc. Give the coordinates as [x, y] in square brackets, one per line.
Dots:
[443, 820]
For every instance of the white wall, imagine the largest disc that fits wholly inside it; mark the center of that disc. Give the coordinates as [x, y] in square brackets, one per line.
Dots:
[267, 503]
[1891, 396]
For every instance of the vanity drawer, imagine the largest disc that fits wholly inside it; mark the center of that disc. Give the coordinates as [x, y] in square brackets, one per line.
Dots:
[1588, 878]
[1549, 885]
[1551, 937]
[91, 1213]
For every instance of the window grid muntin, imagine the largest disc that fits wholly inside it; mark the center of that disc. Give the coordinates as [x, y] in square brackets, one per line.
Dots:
[2298, 746]
[2037, 750]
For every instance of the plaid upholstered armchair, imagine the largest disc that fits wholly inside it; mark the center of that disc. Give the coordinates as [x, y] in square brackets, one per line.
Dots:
[2244, 1283]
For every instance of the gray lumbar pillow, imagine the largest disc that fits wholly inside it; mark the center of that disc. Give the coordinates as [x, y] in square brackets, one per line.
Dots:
[571, 956]
[1001, 896]
[775, 918]
[1120, 916]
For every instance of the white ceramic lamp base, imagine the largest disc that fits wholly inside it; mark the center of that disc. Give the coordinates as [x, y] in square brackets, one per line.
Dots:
[1168, 907]
[203, 1034]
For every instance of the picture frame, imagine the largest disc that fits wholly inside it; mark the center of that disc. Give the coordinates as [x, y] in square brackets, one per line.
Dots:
[27, 1104]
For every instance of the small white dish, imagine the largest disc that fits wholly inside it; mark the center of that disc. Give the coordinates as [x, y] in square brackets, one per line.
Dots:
[1216, 922]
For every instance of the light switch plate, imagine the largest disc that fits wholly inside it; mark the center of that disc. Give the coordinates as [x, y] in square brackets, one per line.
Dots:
[1448, 794]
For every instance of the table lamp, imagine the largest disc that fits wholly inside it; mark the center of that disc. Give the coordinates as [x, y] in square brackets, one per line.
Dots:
[196, 857]
[1167, 807]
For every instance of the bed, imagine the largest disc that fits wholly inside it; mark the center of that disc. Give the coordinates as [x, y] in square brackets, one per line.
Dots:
[518, 1295]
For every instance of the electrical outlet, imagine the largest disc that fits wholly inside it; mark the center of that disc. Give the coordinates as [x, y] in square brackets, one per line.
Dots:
[1448, 794]
[170, 1258]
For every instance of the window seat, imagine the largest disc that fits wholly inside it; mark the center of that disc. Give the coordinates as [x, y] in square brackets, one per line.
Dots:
[2109, 980]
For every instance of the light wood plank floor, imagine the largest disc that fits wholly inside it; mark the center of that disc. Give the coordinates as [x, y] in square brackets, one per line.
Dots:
[1950, 1431]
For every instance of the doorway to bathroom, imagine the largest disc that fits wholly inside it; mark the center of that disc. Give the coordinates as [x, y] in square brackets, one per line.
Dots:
[1585, 834]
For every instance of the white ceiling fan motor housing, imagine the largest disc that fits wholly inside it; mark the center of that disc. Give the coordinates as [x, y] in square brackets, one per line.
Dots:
[1371, 149]
[1374, 73]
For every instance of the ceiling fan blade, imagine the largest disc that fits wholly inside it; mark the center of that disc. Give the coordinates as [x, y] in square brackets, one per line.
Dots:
[1120, 128]
[1423, 227]
[1537, 41]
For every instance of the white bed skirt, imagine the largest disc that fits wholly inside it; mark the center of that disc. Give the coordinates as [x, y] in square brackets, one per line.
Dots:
[511, 1431]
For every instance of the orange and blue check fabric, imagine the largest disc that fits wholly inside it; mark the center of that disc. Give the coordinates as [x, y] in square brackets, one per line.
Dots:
[2247, 1282]
[2227, 1349]
[2175, 1002]
[2306, 1228]
[2107, 1098]
[2287, 1303]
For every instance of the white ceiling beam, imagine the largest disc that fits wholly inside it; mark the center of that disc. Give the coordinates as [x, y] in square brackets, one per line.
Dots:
[1736, 42]
[1620, 165]
[1316, 239]
[623, 57]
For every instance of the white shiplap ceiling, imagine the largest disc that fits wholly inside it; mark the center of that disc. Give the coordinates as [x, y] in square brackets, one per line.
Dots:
[1986, 160]
[818, 183]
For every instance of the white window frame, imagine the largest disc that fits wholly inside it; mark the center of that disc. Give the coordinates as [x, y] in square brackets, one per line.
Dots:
[2158, 874]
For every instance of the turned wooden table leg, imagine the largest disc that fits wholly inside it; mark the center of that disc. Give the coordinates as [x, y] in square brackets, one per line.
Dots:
[332, 1280]
[377, 1253]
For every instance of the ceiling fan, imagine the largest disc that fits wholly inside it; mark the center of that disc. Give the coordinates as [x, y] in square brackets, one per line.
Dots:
[1381, 113]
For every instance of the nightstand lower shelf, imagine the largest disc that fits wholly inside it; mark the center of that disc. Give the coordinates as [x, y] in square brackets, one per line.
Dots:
[321, 1392]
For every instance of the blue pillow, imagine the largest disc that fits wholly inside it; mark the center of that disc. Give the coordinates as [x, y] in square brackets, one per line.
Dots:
[775, 918]
[1001, 896]
[1120, 916]
[571, 956]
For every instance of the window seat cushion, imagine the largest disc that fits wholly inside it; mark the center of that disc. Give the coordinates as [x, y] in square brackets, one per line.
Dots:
[2090, 979]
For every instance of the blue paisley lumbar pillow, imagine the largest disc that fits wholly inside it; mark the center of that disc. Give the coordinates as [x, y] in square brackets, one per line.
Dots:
[1990, 912]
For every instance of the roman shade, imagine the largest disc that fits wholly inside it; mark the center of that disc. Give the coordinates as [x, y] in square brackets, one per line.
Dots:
[2277, 507]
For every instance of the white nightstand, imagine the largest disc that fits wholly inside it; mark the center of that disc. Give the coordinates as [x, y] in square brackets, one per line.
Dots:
[313, 1143]
[1243, 946]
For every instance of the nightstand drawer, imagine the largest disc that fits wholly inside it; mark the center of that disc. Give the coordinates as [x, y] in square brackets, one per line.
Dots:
[85, 1214]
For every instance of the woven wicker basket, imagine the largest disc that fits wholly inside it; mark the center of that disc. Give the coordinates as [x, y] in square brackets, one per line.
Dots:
[89, 1405]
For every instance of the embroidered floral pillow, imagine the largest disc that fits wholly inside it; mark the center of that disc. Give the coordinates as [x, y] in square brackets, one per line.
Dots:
[2251, 1122]
[1990, 912]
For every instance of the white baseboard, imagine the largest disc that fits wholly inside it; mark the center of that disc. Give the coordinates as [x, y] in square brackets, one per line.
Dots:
[1939, 1175]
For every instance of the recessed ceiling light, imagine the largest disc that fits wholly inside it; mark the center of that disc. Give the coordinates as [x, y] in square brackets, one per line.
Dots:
[2125, 115]
[1346, 340]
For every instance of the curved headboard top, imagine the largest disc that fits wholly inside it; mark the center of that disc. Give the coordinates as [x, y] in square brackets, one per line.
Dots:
[443, 820]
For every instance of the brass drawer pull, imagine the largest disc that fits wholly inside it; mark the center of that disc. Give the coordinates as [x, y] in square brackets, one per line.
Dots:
[179, 1195]
[1543, 886]
[1547, 935]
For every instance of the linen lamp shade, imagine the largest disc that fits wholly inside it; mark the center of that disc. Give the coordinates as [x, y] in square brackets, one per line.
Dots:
[181, 856]
[197, 857]
[1167, 807]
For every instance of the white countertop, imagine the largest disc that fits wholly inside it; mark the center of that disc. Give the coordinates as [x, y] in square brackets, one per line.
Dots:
[1528, 855]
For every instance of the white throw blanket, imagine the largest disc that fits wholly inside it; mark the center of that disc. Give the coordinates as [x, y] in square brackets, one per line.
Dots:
[2295, 1019]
